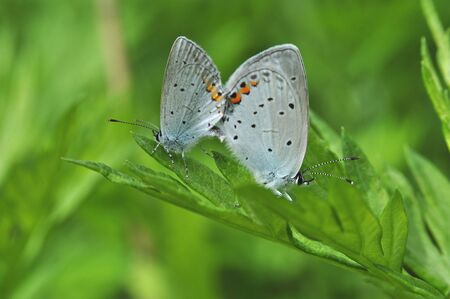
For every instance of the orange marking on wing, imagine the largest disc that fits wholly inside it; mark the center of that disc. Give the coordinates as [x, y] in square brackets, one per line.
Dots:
[245, 90]
[254, 83]
[235, 98]
[216, 96]
[210, 87]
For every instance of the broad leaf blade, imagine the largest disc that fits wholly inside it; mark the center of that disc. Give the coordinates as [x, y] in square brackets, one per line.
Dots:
[413, 285]
[438, 95]
[421, 256]
[112, 174]
[237, 175]
[357, 219]
[161, 188]
[321, 250]
[201, 179]
[395, 231]
[302, 218]
[232, 170]
[436, 190]
[326, 133]
[344, 222]
[440, 37]
[365, 178]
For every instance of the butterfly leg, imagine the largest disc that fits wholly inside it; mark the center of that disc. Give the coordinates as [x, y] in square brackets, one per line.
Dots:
[284, 194]
[156, 147]
[185, 165]
[287, 196]
[170, 156]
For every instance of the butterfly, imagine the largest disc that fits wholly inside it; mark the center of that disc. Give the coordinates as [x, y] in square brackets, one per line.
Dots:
[191, 101]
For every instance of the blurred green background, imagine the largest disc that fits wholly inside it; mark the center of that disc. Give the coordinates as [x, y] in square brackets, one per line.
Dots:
[68, 66]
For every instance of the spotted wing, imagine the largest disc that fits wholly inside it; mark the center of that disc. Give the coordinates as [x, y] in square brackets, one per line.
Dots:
[191, 102]
[266, 118]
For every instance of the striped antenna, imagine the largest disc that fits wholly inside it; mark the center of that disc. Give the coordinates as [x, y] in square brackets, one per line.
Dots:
[318, 165]
[138, 123]
[351, 182]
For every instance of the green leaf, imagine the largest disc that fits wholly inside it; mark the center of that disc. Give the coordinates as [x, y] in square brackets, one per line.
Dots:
[112, 174]
[395, 231]
[201, 179]
[438, 95]
[320, 250]
[165, 189]
[413, 285]
[344, 229]
[232, 170]
[435, 188]
[422, 257]
[303, 213]
[365, 178]
[343, 222]
[318, 152]
[326, 133]
[440, 37]
[237, 175]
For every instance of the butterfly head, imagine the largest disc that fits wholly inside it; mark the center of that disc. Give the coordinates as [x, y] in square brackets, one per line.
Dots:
[157, 135]
[299, 179]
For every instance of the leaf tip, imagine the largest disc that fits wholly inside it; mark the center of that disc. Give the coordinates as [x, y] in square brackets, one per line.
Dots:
[70, 160]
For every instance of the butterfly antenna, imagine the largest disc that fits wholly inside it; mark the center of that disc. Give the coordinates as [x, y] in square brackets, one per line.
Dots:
[313, 173]
[147, 124]
[137, 123]
[318, 165]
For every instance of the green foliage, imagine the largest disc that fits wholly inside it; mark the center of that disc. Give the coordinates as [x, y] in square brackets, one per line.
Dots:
[359, 227]
[438, 94]
[66, 67]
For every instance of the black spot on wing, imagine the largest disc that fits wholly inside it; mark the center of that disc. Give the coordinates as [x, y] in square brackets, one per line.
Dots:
[291, 105]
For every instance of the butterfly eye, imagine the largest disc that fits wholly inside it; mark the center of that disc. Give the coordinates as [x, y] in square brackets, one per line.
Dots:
[157, 135]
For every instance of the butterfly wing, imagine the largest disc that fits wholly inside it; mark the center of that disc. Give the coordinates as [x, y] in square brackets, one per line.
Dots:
[266, 118]
[191, 102]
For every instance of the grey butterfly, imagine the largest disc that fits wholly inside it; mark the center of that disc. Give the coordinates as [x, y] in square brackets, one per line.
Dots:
[191, 101]
[266, 118]
[192, 97]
